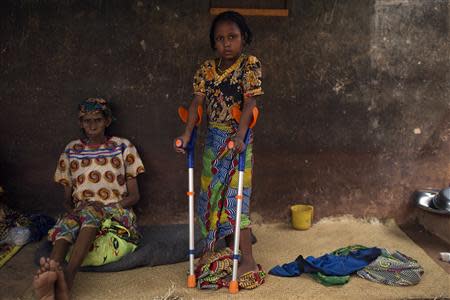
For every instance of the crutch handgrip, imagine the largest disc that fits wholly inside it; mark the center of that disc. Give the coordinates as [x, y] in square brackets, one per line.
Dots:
[179, 143]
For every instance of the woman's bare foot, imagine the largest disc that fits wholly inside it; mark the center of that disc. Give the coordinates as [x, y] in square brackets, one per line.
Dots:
[61, 289]
[44, 285]
[44, 264]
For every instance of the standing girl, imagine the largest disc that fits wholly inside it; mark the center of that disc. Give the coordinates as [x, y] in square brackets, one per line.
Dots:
[232, 79]
[98, 173]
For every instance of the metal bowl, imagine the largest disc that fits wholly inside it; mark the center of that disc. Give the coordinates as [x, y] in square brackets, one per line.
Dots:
[424, 200]
[442, 200]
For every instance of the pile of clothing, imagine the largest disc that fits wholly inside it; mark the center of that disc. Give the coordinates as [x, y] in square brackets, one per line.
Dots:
[216, 272]
[17, 229]
[375, 264]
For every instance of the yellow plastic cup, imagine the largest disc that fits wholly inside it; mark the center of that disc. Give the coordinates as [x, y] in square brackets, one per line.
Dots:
[301, 216]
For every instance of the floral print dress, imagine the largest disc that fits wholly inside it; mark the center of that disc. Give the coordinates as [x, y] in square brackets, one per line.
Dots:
[219, 179]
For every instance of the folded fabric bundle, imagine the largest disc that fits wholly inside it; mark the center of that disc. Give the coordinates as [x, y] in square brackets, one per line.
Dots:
[17, 229]
[393, 268]
[10, 219]
[345, 262]
[216, 272]
[38, 224]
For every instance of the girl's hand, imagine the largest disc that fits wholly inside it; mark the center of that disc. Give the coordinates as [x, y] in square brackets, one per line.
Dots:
[185, 140]
[239, 145]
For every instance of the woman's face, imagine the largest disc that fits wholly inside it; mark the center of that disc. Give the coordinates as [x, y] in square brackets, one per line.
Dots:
[228, 40]
[94, 124]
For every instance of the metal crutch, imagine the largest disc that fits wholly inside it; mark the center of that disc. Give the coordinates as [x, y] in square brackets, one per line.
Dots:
[190, 148]
[236, 113]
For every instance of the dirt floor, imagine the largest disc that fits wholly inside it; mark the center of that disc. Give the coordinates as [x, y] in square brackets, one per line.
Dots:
[277, 244]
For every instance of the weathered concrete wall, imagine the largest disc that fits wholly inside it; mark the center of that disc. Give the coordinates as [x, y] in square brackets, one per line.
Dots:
[354, 117]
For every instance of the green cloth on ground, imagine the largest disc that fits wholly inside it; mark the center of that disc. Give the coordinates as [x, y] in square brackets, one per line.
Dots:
[330, 280]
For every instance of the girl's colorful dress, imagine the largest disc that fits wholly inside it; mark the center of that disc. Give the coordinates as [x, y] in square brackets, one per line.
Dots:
[219, 179]
[97, 174]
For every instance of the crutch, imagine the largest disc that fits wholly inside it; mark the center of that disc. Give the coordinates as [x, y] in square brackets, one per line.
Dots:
[190, 148]
[236, 113]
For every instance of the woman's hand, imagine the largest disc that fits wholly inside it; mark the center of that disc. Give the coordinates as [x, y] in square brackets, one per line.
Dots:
[132, 196]
[184, 142]
[83, 204]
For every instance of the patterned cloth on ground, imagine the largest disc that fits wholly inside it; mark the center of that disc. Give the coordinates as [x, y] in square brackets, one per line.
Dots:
[217, 270]
[393, 268]
[251, 280]
[37, 224]
[11, 218]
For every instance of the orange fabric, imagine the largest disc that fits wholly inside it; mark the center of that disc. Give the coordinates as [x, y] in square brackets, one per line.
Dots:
[200, 113]
[255, 117]
[236, 113]
[184, 114]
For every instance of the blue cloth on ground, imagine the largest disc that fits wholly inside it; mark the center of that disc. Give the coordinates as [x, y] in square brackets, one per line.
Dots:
[328, 264]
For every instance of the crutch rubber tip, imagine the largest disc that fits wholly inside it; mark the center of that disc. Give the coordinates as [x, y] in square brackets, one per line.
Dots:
[230, 145]
[191, 281]
[234, 287]
[179, 143]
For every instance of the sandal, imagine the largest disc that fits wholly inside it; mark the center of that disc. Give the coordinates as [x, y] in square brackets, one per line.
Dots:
[252, 279]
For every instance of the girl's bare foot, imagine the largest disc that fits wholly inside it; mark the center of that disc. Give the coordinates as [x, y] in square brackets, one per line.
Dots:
[247, 264]
[44, 285]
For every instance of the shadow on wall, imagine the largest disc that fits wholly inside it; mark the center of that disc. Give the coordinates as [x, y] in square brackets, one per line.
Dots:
[353, 119]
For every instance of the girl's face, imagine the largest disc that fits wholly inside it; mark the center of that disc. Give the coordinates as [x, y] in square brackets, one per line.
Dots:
[94, 124]
[229, 41]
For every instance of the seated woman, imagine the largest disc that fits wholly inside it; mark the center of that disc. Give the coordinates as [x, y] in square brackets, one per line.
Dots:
[98, 173]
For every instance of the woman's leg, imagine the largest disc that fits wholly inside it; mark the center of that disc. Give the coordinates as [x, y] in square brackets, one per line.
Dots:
[81, 227]
[59, 251]
[79, 251]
